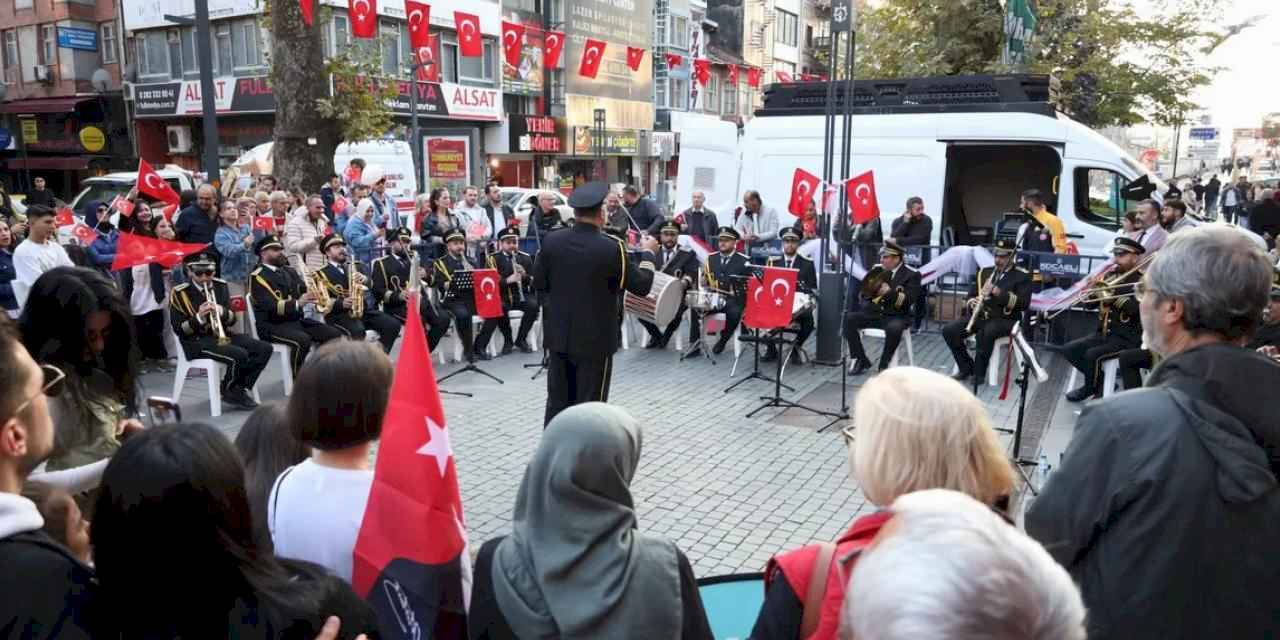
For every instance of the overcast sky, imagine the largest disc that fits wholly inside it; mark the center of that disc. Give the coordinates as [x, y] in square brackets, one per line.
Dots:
[1249, 87]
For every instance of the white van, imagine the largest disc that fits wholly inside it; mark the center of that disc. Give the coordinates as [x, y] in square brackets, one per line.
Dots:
[394, 158]
[968, 145]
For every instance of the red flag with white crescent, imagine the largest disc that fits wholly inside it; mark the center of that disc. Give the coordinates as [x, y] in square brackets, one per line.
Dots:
[592, 54]
[308, 11]
[133, 249]
[702, 70]
[429, 71]
[169, 210]
[674, 60]
[468, 25]
[861, 191]
[552, 45]
[635, 55]
[512, 41]
[150, 184]
[364, 18]
[487, 293]
[753, 77]
[733, 74]
[418, 15]
[264, 223]
[123, 205]
[410, 561]
[64, 217]
[804, 186]
[84, 234]
[770, 298]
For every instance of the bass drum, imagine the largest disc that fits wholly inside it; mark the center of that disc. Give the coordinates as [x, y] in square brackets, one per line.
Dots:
[661, 305]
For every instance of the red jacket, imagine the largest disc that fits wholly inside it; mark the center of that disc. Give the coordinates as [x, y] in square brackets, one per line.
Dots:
[797, 567]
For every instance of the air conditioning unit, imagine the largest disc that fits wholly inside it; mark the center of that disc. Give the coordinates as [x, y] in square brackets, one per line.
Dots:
[44, 73]
[179, 139]
[126, 88]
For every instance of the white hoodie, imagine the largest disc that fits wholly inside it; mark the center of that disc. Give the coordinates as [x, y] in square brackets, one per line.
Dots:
[18, 515]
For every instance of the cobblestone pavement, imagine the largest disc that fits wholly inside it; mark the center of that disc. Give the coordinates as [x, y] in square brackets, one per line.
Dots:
[730, 490]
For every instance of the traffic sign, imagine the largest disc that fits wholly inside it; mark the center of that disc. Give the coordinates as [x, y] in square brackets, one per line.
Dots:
[1204, 133]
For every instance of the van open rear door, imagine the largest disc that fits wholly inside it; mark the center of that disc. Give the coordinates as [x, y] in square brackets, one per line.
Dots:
[710, 162]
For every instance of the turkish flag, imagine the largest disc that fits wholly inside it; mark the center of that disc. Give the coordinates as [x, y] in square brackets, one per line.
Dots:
[410, 560]
[512, 41]
[308, 11]
[753, 78]
[339, 204]
[861, 192]
[592, 54]
[238, 305]
[468, 25]
[64, 217]
[364, 18]
[485, 286]
[702, 70]
[418, 14]
[84, 234]
[429, 71]
[783, 76]
[733, 74]
[552, 45]
[133, 249]
[169, 210]
[770, 298]
[804, 186]
[674, 60]
[123, 205]
[264, 223]
[150, 184]
[635, 55]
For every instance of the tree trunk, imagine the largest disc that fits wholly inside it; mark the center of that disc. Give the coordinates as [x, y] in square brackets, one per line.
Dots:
[298, 79]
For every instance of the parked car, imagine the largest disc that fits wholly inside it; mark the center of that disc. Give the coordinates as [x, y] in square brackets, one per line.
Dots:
[523, 201]
[106, 188]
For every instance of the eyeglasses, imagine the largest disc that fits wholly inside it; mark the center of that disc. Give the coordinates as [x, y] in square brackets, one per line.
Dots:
[202, 271]
[52, 386]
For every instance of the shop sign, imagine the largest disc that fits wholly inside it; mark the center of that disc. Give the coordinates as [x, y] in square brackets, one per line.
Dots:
[30, 131]
[617, 142]
[526, 77]
[447, 157]
[92, 139]
[77, 38]
[448, 100]
[536, 134]
[230, 95]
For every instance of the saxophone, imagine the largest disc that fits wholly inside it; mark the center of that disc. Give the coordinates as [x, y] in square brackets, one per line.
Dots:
[354, 288]
[315, 287]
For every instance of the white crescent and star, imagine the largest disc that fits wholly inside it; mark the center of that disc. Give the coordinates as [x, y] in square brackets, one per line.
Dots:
[514, 38]
[361, 14]
[857, 192]
[149, 183]
[804, 188]
[438, 446]
[553, 41]
[786, 289]
[592, 53]
[468, 30]
[415, 18]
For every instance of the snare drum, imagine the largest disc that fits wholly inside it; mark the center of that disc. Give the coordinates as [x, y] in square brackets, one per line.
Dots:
[704, 300]
[663, 302]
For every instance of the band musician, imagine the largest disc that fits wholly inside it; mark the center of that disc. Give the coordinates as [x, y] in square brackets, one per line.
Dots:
[724, 270]
[998, 297]
[515, 268]
[353, 311]
[463, 306]
[1119, 322]
[889, 291]
[203, 326]
[806, 282]
[679, 263]
[390, 275]
[279, 295]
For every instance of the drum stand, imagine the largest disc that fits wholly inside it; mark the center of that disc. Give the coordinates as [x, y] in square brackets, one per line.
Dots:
[755, 374]
[699, 344]
[776, 400]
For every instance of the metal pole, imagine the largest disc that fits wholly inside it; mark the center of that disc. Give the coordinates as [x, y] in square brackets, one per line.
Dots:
[419, 163]
[831, 303]
[209, 110]
[1177, 137]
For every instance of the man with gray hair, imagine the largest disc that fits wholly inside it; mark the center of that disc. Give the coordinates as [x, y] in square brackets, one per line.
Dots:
[1166, 507]
[947, 567]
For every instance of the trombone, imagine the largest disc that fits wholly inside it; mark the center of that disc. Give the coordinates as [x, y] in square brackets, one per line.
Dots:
[1106, 290]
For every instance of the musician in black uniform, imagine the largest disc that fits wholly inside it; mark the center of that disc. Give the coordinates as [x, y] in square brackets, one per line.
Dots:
[337, 280]
[888, 292]
[1005, 292]
[463, 305]
[390, 275]
[517, 289]
[1119, 322]
[679, 263]
[279, 296]
[806, 282]
[724, 271]
[192, 315]
[581, 274]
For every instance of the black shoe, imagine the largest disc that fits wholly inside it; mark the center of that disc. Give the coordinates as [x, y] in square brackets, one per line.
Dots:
[769, 356]
[795, 357]
[481, 355]
[239, 398]
[507, 348]
[860, 367]
[1080, 394]
[654, 343]
[719, 346]
[694, 351]
[963, 376]
[523, 347]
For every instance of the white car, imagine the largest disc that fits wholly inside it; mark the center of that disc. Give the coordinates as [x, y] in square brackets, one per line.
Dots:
[104, 189]
[523, 201]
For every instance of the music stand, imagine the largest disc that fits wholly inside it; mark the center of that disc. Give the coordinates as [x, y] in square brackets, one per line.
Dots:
[1029, 364]
[738, 288]
[778, 339]
[463, 282]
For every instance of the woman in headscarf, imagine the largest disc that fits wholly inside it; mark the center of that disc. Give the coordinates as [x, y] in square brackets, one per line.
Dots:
[575, 565]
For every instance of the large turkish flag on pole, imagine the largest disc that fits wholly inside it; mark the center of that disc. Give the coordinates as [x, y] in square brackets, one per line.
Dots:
[861, 191]
[133, 249]
[770, 298]
[468, 25]
[488, 298]
[419, 18]
[592, 54]
[410, 560]
[512, 42]
[152, 185]
[552, 45]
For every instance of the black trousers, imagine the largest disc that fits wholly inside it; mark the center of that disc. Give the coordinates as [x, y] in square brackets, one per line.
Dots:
[386, 326]
[462, 313]
[921, 308]
[665, 334]
[150, 331]
[987, 332]
[1086, 355]
[299, 335]
[732, 318]
[1132, 362]
[804, 329]
[245, 357]
[575, 379]
[435, 320]
[529, 307]
[893, 327]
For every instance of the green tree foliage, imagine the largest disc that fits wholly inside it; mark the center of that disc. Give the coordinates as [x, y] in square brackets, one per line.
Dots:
[358, 104]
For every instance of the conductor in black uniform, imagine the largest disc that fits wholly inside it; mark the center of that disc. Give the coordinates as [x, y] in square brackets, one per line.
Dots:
[390, 275]
[680, 263]
[195, 317]
[581, 274]
[517, 289]
[279, 297]
[343, 315]
[1119, 322]
[806, 281]
[462, 305]
[725, 270]
[1005, 291]
[895, 288]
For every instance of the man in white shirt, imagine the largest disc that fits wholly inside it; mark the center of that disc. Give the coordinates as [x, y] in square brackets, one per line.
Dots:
[1152, 235]
[38, 254]
[757, 224]
[474, 219]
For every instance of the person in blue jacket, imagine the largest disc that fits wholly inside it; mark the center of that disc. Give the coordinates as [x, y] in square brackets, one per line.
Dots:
[102, 251]
[360, 233]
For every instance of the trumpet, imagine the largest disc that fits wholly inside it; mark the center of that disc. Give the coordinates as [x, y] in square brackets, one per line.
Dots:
[215, 318]
[315, 287]
[355, 288]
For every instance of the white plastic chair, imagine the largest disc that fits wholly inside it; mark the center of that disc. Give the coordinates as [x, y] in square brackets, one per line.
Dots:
[1110, 377]
[893, 362]
[513, 318]
[476, 323]
[213, 375]
[284, 351]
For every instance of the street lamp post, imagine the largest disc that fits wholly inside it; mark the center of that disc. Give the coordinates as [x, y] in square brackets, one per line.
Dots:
[419, 165]
[208, 109]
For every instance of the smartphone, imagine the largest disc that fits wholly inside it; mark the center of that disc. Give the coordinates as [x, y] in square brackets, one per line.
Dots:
[163, 410]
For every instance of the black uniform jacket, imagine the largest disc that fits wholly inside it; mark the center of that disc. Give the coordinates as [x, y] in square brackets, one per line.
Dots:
[184, 303]
[336, 281]
[389, 275]
[446, 266]
[583, 272]
[682, 262]
[719, 269]
[1120, 317]
[511, 293]
[904, 290]
[275, 292]
[1015, 293]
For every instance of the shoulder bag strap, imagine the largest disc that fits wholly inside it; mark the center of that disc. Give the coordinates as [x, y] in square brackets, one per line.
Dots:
[817, 589]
